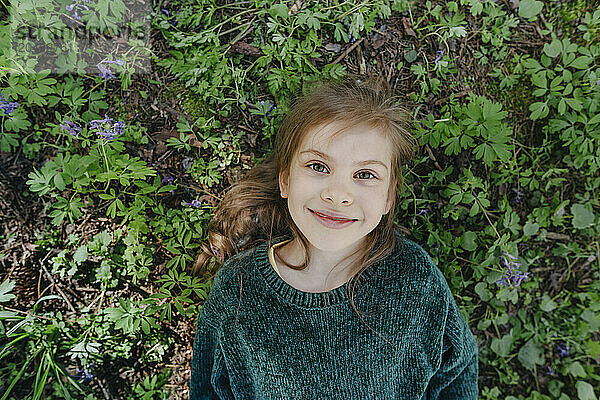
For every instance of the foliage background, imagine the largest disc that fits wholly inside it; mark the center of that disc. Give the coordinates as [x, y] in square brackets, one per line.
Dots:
[108, 178]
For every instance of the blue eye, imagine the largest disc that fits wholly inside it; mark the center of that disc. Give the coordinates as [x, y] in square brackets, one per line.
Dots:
[361, 172]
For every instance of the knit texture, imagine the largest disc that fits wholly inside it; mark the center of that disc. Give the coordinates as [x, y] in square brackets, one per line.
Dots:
[272, 341]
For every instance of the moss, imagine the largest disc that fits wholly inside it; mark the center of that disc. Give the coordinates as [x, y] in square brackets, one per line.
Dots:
[563, 14]
[192, 104]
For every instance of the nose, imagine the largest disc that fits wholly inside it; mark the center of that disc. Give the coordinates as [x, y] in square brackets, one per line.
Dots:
[338, 191]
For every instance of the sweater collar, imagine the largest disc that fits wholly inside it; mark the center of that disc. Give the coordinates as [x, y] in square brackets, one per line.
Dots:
[335, 296]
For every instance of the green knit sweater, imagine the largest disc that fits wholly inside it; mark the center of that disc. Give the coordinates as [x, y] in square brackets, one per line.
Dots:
[282, 343]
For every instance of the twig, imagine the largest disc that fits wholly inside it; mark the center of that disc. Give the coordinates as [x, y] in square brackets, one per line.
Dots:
[26, 313]
[51, 279]
[486, 215]
[246, 129]
[432, 157]
[348, 50]
[104, 391]
[243, 34]
[40, 276]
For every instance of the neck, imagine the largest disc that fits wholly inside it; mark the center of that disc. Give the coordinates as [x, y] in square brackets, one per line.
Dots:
[321, 263]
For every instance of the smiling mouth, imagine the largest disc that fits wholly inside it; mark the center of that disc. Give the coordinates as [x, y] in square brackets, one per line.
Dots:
[331, 218]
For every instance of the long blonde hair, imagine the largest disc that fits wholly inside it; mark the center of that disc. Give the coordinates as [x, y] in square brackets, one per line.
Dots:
[253, 209]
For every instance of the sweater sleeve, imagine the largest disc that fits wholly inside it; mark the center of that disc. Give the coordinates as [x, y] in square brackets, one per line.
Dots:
[458, 373]
[209, 379]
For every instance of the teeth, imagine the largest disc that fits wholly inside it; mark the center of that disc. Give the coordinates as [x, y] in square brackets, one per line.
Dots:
[334, 219]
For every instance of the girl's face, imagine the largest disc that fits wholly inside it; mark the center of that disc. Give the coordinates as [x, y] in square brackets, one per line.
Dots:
[348, 176]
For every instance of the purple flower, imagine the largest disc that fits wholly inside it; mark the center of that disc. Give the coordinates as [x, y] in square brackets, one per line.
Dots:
[72, 8]
[440, 54]
[168, 179]
[85, 374]
[424, 211]
[517, 199]
[7, 106]
[549, 371]
[166, 12]
[71, 127]
[563, 350]
[105, 72]
[271, 107]
[106, 128]
[512, 276]
[193, 203]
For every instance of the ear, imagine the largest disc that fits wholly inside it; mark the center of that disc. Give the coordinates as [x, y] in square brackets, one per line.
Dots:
[283, 185]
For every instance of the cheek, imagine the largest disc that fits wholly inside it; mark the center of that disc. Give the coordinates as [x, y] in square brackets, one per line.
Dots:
[301, 187]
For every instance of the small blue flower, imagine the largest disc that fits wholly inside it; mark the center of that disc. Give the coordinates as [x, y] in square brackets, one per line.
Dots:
[105, 72]
[71, 128]
[193, 203]
[72, 9]
[168, 179]
[517, 199]
[166, 12]
[7, 106]
[512, 276]
[563, 350]
[440, 54]
[424, 211]
[85, 374]
[271, 107]
[549, 372]
[106, 128]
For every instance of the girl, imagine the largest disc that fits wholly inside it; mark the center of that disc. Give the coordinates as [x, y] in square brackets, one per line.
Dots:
[314, 219]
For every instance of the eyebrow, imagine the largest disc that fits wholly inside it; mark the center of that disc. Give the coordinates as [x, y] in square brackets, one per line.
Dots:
[326, 157]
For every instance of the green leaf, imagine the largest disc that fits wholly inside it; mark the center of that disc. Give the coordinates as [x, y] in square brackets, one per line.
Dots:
[5, 288]
[562, 106]
[457, 31]
[531, 354]
[279, 10]
[530, 228]
[484, 294]
[539, 79]
[574, 103]
[81, 254]
[529, 9]
[547, 303]
[592, 349]
[468, 241]
[59, 182]
[581, 62]
[552, 49]
[594, 120]
[592, 319]
[502, 346]
[585, 391]
[576, 369]
[582, 217]
[410, 56]
[538, 110]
